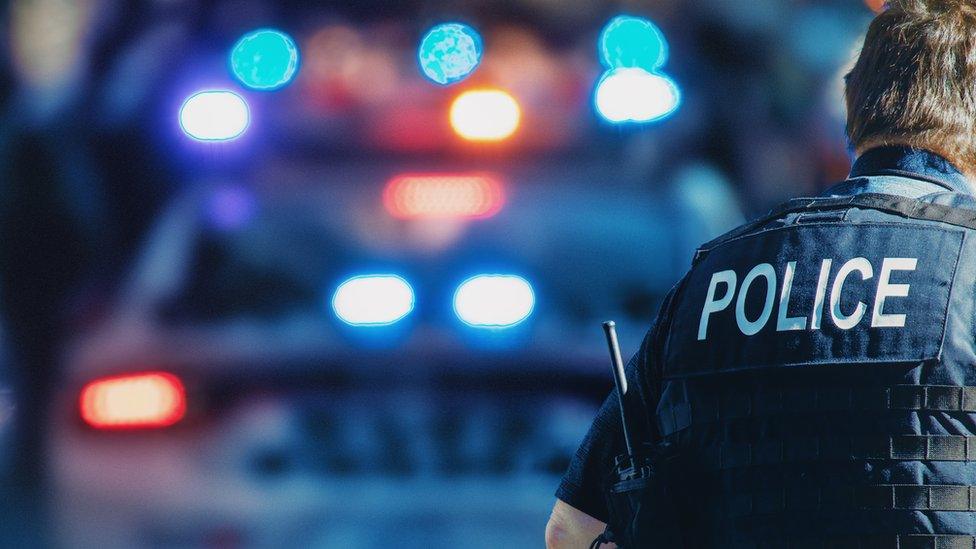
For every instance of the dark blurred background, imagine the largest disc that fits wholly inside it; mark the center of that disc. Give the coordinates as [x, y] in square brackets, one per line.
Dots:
[127, 247]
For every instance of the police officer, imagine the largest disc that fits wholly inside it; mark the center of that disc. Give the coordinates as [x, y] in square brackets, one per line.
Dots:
[815, 371]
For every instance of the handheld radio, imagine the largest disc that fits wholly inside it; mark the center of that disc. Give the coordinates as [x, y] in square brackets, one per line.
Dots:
[637, 499]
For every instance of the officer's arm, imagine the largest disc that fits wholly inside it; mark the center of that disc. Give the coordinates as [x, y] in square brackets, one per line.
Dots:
[570, 528]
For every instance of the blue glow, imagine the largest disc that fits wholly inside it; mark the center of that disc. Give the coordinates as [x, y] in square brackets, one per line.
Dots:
[231, 208]
[373, 300]
[633, 42]
[449, 52]
[264, 59]
[635, 95]
[214, 115]
[494, 301]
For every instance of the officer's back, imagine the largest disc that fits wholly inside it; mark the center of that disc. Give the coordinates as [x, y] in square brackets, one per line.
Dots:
[815, 372]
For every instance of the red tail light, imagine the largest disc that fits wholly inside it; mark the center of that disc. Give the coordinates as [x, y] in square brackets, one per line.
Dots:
[443, 196]
[133, 401]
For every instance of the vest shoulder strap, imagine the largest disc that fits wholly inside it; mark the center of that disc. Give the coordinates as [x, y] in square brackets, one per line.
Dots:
[909, 208]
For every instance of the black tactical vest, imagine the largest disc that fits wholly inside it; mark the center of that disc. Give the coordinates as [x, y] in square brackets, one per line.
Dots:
[817, 378]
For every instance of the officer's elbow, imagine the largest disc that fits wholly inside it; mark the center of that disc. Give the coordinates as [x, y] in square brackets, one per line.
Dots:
[560, 535]
[557, 534]
[569, 528]
[563, 536]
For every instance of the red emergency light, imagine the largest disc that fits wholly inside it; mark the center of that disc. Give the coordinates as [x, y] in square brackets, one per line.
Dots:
[443, 196]
[133, 401]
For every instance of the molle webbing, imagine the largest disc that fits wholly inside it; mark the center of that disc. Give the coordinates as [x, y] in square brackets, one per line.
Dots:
[797, 400]
[903, 541]
[874, 497]
[729, 455]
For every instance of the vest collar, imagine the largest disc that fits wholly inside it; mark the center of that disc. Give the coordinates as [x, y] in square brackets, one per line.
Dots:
[912, 163]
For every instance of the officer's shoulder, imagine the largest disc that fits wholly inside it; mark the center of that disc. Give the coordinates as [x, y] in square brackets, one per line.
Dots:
[782, 213]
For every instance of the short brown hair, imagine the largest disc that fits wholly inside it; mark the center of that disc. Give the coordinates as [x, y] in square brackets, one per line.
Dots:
[914, 82]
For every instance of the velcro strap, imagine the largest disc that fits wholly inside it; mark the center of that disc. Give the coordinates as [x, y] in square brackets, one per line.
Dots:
[901, 447]
[736, 405]
[903, 541]
[877, 497]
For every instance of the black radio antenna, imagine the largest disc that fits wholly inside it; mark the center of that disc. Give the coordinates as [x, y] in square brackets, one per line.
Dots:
[619, 378]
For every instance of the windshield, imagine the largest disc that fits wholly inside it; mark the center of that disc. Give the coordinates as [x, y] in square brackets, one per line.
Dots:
[264, 260]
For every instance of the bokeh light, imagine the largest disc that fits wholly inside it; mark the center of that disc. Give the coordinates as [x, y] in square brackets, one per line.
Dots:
[443, 196]
[264, 59]
[635, 95]
[449, 52]
[373, 300]
[336, 62]
[632, 42]
[485, 115]
[150, 399]
[494, 301]
[231, 208]
[214, 115]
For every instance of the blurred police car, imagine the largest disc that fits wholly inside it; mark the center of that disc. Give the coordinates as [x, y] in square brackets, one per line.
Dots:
[227, 401]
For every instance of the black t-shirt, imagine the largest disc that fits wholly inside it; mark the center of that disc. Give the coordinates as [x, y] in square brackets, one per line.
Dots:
[583, 484]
